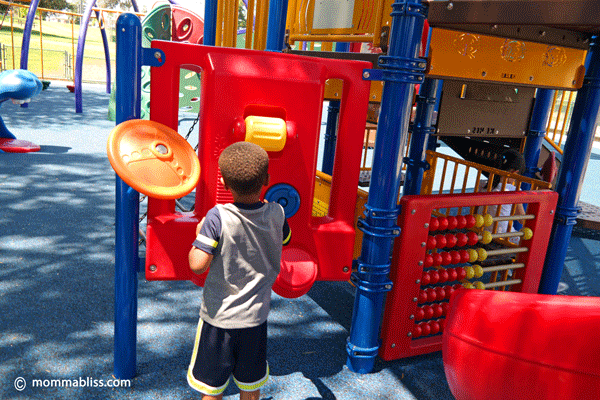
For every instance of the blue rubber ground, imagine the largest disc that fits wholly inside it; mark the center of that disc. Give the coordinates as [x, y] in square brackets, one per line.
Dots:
[57, 274]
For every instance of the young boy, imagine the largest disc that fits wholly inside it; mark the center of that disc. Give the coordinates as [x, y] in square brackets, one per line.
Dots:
[242, 244]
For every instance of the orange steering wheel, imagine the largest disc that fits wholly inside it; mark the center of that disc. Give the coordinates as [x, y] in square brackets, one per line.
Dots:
[153, 159]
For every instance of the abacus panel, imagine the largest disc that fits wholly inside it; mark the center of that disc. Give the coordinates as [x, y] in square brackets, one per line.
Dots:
[438, 253]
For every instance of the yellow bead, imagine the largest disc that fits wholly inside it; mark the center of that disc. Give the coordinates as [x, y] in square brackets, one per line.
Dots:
[473, 255]
[479, 285]
[478, 271]
[527, 233]
[481, 254]
[470, 272]
[468, 285]
[486, 237]
[478, 220]
[488, 220]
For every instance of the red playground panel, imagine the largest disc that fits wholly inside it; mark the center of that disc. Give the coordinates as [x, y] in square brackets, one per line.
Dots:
[516, 346]
[434, 256]
[276, 101]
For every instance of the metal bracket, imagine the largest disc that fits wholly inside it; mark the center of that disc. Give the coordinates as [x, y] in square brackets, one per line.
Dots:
[153, 57]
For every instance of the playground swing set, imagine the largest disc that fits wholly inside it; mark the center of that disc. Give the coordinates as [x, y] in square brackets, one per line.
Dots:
[438, 242]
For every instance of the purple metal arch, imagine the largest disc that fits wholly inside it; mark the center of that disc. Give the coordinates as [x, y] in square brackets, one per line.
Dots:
[80, 49]
[27, 36]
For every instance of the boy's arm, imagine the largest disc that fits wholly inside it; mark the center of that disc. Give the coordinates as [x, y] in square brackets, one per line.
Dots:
[207, 237]
[199, 260]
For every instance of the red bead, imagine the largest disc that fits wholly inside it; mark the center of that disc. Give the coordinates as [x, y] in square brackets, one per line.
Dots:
[440, 293]
[443, 223]
[446, 258]
[456, 258]
[461, 239]
[425, 329]
[419, 314]
[443, 276]
[471, 221]
[417, 331]
[452, 274]
[452, 222]
[461, 222]
[431, 295]
[464, 255]
[434, 327]
[433, 224]
[472, 238]
[431, 243]
[449, 290]
[451, 240]
[457, 286]
[437, 259]
[425, 278]
[437, 310]
[428, 310]
[423, 296]
[445, 308]
[440, 241]
[434, 277]
[428, 262]
[461, 274]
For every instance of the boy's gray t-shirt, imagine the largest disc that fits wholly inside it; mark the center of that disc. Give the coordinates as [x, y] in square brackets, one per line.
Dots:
[246, 262]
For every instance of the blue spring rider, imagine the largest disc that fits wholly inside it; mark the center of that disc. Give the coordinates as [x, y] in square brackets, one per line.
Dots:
[20, 86]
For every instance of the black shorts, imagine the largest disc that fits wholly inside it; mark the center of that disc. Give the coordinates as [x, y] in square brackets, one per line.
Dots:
[220, 353]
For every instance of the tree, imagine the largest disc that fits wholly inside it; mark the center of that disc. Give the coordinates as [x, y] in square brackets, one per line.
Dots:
[241, 15]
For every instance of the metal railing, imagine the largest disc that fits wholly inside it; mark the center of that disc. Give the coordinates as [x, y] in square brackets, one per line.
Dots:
[46, 61]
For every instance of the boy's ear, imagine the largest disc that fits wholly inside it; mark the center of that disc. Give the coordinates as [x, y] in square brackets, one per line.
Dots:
[224, 184]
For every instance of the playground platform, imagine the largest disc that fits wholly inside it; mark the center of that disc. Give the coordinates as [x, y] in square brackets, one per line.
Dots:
[57, 284]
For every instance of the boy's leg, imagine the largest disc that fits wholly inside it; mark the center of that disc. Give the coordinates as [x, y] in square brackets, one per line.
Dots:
[249, 395]
[212, 361]
[251, 370]
[209, 397]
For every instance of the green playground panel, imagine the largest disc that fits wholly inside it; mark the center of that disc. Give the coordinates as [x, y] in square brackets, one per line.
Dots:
[157, 25]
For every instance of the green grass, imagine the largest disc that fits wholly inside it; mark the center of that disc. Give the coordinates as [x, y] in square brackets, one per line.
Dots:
[56, 37]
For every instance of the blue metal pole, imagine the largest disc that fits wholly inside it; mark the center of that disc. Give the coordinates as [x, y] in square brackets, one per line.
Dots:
[401, 69]
[572, 171]
[333, 111]
[210, 22]
[537, 131]
[128, 106]
[422, 128]
[276, 25]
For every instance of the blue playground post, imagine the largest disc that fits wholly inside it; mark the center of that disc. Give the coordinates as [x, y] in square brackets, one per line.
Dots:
[128, 106]
[276, 25]
[333, 111]
[210, 22]
[422, 128]
[537, 131]
[572, 171]
[401, 69]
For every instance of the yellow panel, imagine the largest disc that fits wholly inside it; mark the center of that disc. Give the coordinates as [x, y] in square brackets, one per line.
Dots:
[269, 133]
[333, 90]
[489, 58]
[368, 17]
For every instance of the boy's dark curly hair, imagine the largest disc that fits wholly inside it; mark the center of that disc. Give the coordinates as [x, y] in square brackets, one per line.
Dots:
[244, 167]
[510, 160]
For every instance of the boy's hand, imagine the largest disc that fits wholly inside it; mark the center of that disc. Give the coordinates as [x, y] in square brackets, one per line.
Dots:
[199, 226]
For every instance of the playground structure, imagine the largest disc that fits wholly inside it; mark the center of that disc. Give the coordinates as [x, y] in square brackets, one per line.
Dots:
[19, 86]
[401, 69]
